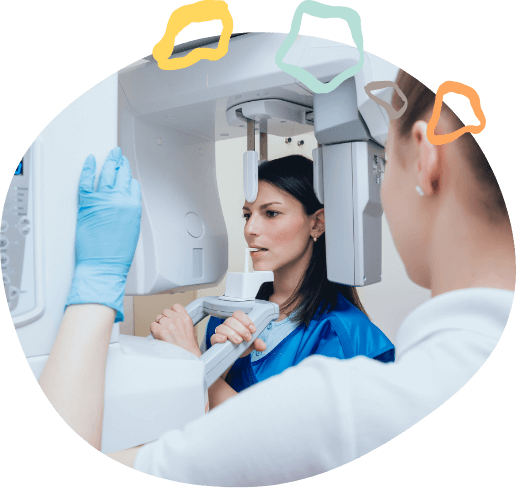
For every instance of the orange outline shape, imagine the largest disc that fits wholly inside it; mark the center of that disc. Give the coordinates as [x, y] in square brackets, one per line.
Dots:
[202, 11]
[475, 103]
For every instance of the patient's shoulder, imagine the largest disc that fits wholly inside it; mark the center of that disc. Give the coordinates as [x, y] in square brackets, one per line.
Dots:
[345, 315]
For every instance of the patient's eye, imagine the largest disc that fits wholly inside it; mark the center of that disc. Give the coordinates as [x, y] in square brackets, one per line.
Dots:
[269, 213]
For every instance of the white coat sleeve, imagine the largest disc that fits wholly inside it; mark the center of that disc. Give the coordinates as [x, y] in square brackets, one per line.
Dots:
[316, 416]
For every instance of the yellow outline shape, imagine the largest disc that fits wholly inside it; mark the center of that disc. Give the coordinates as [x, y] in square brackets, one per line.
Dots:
[475, 103]
[202, 11]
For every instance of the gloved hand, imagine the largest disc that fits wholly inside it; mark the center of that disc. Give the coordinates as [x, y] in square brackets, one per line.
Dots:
[108, 226]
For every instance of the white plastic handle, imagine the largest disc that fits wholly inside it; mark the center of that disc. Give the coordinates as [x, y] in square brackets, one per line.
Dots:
[221, 356]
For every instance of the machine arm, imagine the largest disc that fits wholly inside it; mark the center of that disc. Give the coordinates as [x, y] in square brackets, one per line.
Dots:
[221, 356]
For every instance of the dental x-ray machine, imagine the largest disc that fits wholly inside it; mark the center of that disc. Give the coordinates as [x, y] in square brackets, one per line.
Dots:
[167, 123]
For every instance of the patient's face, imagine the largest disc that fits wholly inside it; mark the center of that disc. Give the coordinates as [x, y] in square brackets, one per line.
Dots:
[277, 224]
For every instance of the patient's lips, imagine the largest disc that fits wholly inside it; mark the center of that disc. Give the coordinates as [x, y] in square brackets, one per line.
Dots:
[257, 251]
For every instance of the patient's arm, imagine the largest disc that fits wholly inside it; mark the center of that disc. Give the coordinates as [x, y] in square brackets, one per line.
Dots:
[126, 457]
[219, 392]
[236, 329]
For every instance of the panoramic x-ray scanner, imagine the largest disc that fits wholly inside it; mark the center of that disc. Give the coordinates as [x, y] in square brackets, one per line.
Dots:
[167, 124]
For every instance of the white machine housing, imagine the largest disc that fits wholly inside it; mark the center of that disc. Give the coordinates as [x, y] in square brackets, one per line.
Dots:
[167, 123]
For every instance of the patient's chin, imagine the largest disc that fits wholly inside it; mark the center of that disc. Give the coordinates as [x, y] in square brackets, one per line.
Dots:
[261, 266]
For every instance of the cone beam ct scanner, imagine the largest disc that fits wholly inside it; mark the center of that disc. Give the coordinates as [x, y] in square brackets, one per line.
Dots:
[167, 124]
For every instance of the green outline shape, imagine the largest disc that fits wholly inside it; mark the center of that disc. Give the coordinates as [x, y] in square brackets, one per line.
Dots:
[321, 11]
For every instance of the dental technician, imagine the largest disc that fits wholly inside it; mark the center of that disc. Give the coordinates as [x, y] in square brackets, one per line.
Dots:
[451, 228]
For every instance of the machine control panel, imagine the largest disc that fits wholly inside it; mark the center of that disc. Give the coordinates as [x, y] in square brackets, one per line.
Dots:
[17, 242]
[378, 168]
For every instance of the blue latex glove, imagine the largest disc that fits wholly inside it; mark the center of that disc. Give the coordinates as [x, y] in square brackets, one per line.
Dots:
[108, 226]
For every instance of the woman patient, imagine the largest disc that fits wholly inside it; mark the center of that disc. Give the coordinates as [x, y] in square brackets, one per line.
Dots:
[286, 223]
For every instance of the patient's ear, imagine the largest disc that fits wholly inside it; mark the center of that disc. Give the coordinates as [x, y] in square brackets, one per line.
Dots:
[318, 219]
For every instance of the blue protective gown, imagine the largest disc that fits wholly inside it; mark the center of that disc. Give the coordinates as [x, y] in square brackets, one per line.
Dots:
[343, 333]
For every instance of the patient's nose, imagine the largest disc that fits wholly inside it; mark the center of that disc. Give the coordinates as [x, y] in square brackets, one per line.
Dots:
[252, 227]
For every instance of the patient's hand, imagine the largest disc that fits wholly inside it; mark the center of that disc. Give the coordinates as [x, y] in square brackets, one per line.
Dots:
[237, 328]
[175, 326]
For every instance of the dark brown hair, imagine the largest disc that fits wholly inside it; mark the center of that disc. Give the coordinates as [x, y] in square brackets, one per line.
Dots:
[420, 104]
[315, 294]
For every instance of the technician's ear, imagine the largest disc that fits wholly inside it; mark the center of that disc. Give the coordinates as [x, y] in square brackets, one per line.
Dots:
[430, 161]
[318, 219]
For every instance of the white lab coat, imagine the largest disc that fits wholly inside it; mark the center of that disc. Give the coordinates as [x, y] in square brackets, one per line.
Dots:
[326, 412]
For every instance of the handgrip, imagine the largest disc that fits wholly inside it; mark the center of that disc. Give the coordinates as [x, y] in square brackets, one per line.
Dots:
[196, 310]
[221, 356]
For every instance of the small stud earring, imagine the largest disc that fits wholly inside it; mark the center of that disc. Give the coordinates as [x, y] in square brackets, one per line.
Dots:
[315, 239]
[420, 191]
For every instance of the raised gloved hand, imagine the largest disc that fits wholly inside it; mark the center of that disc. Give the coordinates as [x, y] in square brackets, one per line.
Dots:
[108, 226]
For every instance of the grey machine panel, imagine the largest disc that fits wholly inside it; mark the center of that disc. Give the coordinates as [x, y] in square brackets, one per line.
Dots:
[14, 230]
[348, 169]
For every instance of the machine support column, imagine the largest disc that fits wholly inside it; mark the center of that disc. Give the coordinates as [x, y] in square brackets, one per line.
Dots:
[263, 140]
[251, 135]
